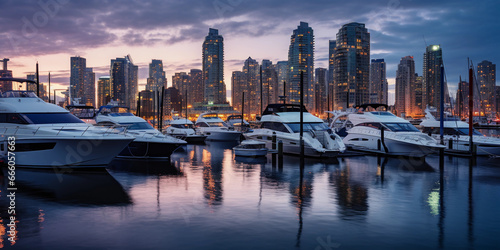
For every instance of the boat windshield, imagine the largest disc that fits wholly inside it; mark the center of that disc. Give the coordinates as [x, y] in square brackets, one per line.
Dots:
[216, 124]
[137, 126]
[49, 118]
[182, 126]
[308, 126]
[465, 131]
[400, 127]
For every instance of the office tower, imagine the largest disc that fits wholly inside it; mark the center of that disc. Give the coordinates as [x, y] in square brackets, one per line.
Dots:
[486, 80]
[405, 79]
[331, 73]
[123, 79]
[172, 101]
[31, 86]
[416, 96]
[196, 90]
[497, 97]
[321, 91]
[156, 78]
[5, 73]
[378, 82]
[282, 71]
[462, 99]
[147, 103]
[251, 87]
[238, 87]
[351, 66]
[301, 59]
[269, 83]
[180, 81]
[431, 89]
[213, 68]
[43, 92]
[103, 91]
[77, 79]
[88, 97]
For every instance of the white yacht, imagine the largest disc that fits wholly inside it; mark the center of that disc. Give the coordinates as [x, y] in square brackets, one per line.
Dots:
[456, 135]
[251, 148]
[284, 121]
[235, 121]
[148, 143]
[182, 128]
[210, 125]
[382, 132]
[48, 136]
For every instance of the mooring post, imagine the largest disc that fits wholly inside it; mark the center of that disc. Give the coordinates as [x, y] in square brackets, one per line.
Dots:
[280, 153]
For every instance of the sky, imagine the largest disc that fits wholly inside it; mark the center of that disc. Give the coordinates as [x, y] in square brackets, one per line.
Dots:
[51, 31]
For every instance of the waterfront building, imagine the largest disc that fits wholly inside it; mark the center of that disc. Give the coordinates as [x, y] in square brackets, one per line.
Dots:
[351, 66]
[147, 103]
[405, 79]
[88, 97]
[331, 69]
[301, 59]
[269, 83]
[156, 78]
[5, 73]
[123, 79]
[282, 71]
[238, 87]
[78, 72]
[321, 91]
[431, 89]
[103, 91]
[213, 68]
[251, 87]
[196, 89]
[378, 82]
[486, 77]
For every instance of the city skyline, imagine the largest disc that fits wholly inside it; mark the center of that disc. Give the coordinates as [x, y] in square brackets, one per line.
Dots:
[397, 28]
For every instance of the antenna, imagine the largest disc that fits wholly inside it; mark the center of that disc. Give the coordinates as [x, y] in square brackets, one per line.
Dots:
[423, 36]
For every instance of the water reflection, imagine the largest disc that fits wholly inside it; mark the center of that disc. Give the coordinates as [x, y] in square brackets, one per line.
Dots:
[146, 167]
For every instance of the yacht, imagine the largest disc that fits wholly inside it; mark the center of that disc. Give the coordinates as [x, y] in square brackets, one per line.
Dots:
[210, 125]
[251, 148]
[456, 135]
[148, 143]
[48, 136]
[283, 120]
[235, 121]
[383, 132]
[182, 128]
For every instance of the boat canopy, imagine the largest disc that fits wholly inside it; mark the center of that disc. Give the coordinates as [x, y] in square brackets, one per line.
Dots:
[281, 108]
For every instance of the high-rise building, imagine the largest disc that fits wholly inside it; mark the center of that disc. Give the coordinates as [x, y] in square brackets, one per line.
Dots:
[196, 90]
[378, 82]
[462, 99]
[147, 103]
[180, 81]
[405, 79]
[213, 68]
[269, 83]
[31, 86]
[251, 87]
[77, 79]
[301, 59]
[497, 94]
[351, 66]
[172, 101]
[486, 77]
[238, 87]
[156, 78]
[123, 79]
[282, 71]
[321, 91]
[103, 91]
[88, 97]
[331, 72]
[416, 96]
[431, 89]
[5, 73]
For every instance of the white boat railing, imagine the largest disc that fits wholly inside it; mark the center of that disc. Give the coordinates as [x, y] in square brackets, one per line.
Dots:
[51, 131]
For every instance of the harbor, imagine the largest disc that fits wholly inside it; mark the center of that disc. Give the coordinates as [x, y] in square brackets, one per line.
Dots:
[205, 197]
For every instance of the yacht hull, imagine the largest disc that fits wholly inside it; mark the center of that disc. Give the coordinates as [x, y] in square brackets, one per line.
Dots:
[67, 152]
[373, 144]
[461, 146]
[190, 139]
[222, 135]
[147, 149]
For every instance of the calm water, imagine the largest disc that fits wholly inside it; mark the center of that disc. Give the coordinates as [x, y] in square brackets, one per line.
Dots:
[207, 199]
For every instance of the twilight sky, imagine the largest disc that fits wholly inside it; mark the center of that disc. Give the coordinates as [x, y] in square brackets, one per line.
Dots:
[51, 31]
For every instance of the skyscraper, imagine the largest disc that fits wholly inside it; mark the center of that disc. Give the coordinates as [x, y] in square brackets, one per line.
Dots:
[497, 96]
[123, 79]
[331, 72]
[352, 66]
[213, 68]
[180, 81]
[88, 97]
[321, 91]
[462, 99]
[251, 87]
[282, 71]
[156, 78]
[405, 79]
[77, 79]
[416, 96]
[238, 87]
[431, 89]
[301, 59]
[269, 83]
[103, 91]
[486, 77]
[196, 92]
[5, 73]
[378, 82]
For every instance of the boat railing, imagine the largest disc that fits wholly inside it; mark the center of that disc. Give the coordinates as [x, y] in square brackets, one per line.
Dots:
[60, 131]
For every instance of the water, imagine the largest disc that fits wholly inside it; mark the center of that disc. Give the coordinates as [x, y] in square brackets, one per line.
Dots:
[206, 199]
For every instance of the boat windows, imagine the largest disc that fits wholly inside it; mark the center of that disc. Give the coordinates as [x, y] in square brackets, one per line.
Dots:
[183, 126]
[50, 118]
[465, 131]
[138, 126]
[308, 127]
[276, 126]
[13, 118]
[450, 131]
[382, 113]
[216, 124]
[401, 127]
[374, 125]
[121, 114]
[202, 125]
